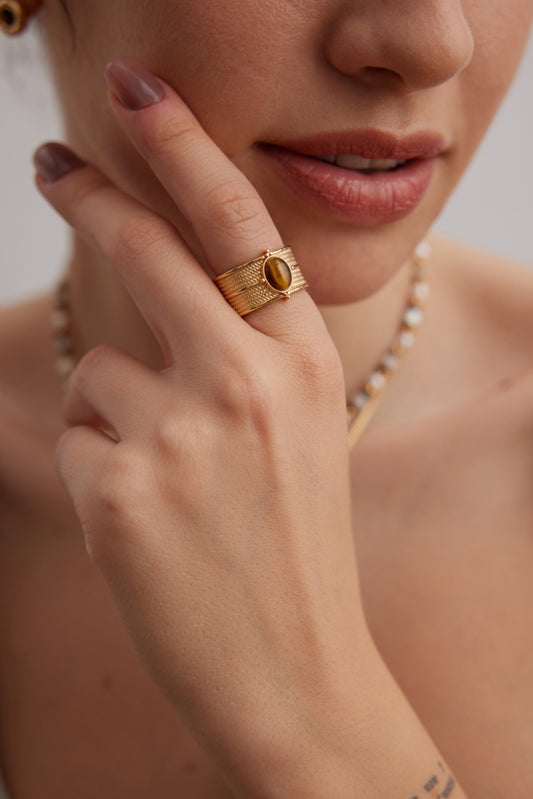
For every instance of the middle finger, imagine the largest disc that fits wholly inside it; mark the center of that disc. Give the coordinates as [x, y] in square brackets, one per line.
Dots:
[226, 212]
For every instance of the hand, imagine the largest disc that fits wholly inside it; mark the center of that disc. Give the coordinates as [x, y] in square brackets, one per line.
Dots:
[220, 515]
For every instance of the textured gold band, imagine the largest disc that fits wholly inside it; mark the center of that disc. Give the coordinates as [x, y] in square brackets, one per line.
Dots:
[274, 275]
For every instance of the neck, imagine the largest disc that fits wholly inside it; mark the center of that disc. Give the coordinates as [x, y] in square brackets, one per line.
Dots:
[102, 312]
[363, 331]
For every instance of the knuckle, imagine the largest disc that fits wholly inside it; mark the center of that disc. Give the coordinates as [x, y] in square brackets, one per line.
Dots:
[116, 521]
[172, 133]
[168, 436]
[118, 485]
[139, 236]
[108, 506]
[246, 395]
[92, 362]
[320, 369]
[93, 183]
[231, 208]
[181, 438]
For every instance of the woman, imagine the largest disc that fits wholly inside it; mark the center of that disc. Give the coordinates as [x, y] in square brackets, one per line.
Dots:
[265, 612]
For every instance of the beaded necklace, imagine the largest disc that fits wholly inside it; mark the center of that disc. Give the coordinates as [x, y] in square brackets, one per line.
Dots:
[360, 407]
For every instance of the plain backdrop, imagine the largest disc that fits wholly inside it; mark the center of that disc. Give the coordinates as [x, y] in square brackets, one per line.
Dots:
[492, 208]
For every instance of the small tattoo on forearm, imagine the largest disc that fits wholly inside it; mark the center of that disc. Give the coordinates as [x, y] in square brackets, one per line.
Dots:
[438, 786]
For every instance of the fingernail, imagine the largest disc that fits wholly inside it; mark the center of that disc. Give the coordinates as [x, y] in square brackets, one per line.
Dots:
[52, 161]
[134, 86]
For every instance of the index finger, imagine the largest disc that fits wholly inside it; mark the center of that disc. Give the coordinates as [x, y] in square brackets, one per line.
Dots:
[225, 211]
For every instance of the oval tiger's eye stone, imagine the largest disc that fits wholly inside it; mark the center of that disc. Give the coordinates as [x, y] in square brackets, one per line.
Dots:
[278, 273]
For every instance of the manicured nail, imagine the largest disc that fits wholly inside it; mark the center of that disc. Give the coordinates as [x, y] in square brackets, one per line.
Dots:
[134, 86]
[52, 161]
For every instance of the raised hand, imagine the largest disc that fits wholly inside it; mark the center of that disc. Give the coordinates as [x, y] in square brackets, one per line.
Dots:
[218, 509]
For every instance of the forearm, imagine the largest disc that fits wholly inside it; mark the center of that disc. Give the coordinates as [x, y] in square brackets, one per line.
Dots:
[361, 742]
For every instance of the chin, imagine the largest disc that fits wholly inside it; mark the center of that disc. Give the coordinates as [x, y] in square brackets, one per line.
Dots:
[347, 265]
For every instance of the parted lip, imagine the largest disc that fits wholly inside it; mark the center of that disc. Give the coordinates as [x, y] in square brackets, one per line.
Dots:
[371, 143]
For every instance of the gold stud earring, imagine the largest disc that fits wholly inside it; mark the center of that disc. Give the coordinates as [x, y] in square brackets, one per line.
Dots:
[14, 15]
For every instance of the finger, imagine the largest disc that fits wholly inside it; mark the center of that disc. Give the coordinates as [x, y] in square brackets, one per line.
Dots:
[80, 452]
[224, 209]
[164, 278]
[110, 387]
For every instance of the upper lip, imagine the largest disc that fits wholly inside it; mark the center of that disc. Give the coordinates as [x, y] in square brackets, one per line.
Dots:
[373, 144]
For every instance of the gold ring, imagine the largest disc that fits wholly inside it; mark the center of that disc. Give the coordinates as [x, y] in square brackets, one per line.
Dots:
[272, 276]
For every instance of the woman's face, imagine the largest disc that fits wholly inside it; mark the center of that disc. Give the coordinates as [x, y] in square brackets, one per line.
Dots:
[382, 79]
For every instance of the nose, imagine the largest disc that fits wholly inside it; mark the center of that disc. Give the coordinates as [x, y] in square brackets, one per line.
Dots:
[415, 43]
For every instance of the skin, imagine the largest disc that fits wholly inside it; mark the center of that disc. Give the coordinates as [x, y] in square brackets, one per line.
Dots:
[345, 620]
[429, 90]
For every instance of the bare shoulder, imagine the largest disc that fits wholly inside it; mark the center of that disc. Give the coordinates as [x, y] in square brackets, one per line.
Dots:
[494, 296]
[496, 287]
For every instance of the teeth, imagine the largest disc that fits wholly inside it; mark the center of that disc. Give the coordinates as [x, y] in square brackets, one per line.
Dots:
[385, 163]
[353, 162]
[349, 161]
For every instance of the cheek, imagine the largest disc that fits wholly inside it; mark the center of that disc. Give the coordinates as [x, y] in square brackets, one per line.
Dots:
[209, 54]
[201, 48]
[501, 30]
[232, 63]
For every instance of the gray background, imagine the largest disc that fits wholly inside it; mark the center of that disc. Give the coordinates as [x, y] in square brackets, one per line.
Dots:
[493, 207]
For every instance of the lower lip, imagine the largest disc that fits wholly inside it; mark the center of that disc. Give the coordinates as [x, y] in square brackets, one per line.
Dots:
[366, 200]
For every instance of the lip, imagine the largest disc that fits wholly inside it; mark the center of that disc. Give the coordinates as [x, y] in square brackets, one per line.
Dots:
[363, 199]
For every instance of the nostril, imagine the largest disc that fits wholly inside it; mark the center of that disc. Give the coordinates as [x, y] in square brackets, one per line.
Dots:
[379, 76]
[380, 73]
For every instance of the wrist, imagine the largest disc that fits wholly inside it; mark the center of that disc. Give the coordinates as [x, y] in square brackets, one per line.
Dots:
[303, 745]
[356, 735]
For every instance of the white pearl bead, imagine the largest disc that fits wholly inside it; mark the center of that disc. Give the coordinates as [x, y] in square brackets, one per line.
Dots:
[421, 289]
[64, 365]
[360, 400]
[390, 361]
[59, 320]
[413, 317]
[407, 339]
[377, 380]
[423, 250]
